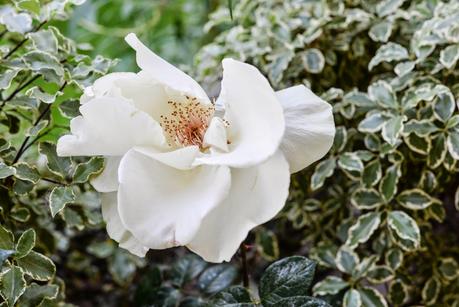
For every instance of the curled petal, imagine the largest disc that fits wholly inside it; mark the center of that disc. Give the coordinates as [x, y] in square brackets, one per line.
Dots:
[216, 135]
[163, 206]
[116, 229]
[310, 128]
[107, 181]
[163, 72]
[257, 194]
[109, 126]
[255, 116]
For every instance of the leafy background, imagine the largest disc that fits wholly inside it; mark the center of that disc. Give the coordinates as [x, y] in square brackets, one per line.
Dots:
[377, 216]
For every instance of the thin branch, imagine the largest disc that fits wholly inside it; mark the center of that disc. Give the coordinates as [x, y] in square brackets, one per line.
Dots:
[245, 271]
[51, 180]
[20, 88]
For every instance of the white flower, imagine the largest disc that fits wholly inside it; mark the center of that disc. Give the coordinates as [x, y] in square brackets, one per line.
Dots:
[179, 175]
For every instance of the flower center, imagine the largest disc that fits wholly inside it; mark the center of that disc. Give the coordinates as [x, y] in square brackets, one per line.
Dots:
[187, 122]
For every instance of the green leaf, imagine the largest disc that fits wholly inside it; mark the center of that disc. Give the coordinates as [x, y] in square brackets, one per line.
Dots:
[380, 32]
[398, 292]
[388, 53]
[352, 298]
[59, 198]
[394, 258]
[449, 56]
[285, 278]
[330, 285]
[20, 23]
[323, 170]
[6, 171]
[350, 162]
[421, 145]
[372, 298]
[44, 40]
[380, 274]
[387, 7]
[25, 243]
[362, 230]
[449, 268]
[20, 214]
[216, 278]
[403, 68]
[235, 296]
[186, 269]
[37, 266]
[388, 185]
[404, 227]
[373, 122]
[85, 170]
[122, 268]
[313, 60]
[303, 301]
[27, 172]
[346, 260]
[32, 6]
[452, 142]
[382, 92]
[392, 129]
[372, 173]
[6, 239]
[414, 199]
[5, 254]
[438, 152]
[7, 77]
[365, 199]
[42, 63]
[267, 244]
[431, 290]
[35, 294]
[13, 285]
[444, 105]
[59, 166]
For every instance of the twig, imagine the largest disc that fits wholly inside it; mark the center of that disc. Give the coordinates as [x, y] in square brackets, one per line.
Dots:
[20, 88]
[22, 42]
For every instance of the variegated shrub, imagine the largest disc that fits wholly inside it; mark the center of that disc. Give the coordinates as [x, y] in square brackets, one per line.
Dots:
[380, 213]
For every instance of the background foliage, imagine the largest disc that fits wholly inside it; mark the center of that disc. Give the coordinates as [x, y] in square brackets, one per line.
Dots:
[378, 214]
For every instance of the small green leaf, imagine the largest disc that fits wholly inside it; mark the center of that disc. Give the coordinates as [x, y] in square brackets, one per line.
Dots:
[383, 93]
[388, 53]
[6, 171]
[27, 172]
[387, 7]
[372, 298]
[452, 142]
[59, 197]
[25, 243]
[313, 60]
[6, 239]
[392, 129]
[362, 230]
[438, 152]
[380, 32]
[365, 199]
[431, 290]
[13, 284]
[216, 278]
[449, 268]
[394, 258]
[286, 278]
[59, 166]
[398, 292]
[352, 299]
[449, 56]
[380, 274]
[350, 162]
[303, 301]
[346, 260]
[37, 266]
[323, 170]
[372, 173]
[403, 68]
[36, 294]
[267, 244]
[236, 296]
[444, 105]
[388, 185]
[404, 227]
[414, 199]
[85, 170]
[330, 285]
[186, 268]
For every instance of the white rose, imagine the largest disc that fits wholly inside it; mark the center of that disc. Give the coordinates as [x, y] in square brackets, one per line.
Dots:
[179, 173]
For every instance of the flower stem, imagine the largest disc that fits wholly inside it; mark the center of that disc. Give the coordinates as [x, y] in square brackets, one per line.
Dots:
[245, 272]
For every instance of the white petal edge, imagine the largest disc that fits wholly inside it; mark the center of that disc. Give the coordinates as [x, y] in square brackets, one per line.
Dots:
[310, 128]
[163, 206]
[255, 116]
[115, 228]
[164, 72]
[109, 126]
[216, 135]
[107, 181]
[257, 194]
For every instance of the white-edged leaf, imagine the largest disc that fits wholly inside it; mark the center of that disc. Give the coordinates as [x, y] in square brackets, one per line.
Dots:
[59, 197]
[362, 230]
[330, 285]
[415, 199]
[404, 227]
[388, 53]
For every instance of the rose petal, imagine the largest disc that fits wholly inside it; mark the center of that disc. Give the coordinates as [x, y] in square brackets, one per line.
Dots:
[107, 181]
[163, 72]
[310, 128]
[109, 126]
[255, 116]
[216, 135]
[257, 194]
[115, 228]
[164, 206]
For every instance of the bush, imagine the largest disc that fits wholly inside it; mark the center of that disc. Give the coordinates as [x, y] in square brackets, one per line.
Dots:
[379, 213]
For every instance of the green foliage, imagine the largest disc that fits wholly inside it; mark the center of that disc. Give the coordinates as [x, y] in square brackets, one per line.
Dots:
[379, 210]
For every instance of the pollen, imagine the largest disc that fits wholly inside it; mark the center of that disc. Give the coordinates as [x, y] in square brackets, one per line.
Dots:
[187, 122]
